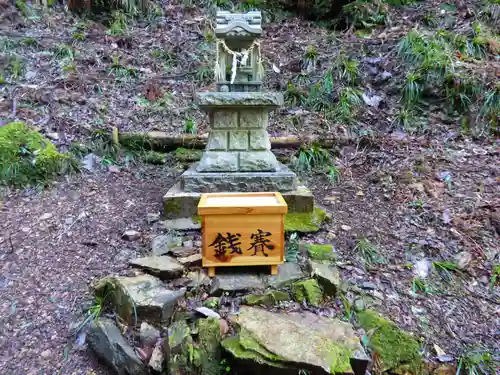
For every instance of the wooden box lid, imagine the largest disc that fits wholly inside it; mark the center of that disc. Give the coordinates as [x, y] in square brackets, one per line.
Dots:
[242, 203]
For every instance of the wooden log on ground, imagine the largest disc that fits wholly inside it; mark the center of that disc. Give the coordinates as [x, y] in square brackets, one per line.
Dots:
[161, 141]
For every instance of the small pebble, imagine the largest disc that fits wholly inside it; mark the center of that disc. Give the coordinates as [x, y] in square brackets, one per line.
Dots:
[368, 285]
[46, 216]
[131, 235]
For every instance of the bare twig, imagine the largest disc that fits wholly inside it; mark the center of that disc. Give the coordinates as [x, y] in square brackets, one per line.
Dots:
[81, 216]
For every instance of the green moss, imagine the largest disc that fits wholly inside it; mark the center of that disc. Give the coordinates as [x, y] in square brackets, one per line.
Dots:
[233, 346]
[107, 288]
[136, 141]
[320, 252]
[197, 219]
[211, 302]
[171, 206]
[178, 333]
[394, 347]
[308, 290]
[245, 346]
[248, 342]
[209, 338]
[27, 158]
[339, 357]
[305, 222]
[181, 348]
[269, 299]
[188, 155]
[153, 157]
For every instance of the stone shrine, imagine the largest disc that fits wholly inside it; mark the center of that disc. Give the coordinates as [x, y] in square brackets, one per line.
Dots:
[238, 155]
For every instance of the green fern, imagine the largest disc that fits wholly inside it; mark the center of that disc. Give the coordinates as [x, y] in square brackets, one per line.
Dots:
[294, 96]
[313, 157]
[368, 251]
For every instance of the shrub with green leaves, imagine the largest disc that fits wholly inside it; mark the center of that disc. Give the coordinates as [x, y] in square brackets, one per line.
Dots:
[27, 158]
[443, 65]
[366, 13]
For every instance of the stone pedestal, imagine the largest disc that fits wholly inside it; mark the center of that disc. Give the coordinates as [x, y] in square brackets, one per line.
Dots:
[238, 140]
[238, 156]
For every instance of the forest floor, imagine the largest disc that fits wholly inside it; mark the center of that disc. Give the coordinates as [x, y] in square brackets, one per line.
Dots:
[417, 196]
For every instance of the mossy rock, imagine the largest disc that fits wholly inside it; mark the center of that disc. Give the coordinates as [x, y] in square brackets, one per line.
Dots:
[320, 252]
[245, 346]
[209, 339]
[308, 290]
[27, 158]
[188, 155]
[138, 298]
[307, 222]
[211, 302]
[328, 276]
[269, 299]
[181, 347]
[394, 347]
[172, 206]
[234, 346]
[294, 341]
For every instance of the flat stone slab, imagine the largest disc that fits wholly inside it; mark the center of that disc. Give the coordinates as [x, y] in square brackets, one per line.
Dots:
[240, 99]
[106, 340]
[190, 261]
[164, 267]
[144, 295]
[163, 243]
[287, 274]
[179, 204]
[182, 223]
[236, 283]
[283, 179]
[327, 275]
[297, 340]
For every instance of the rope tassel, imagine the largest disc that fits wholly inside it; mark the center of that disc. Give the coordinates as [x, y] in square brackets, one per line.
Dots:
[243, 58]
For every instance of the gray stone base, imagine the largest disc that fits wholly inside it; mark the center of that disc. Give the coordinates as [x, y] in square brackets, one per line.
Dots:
[283, 180]
[178, 203]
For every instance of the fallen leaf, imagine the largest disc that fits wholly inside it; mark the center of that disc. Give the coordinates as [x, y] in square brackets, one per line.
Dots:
[445, 358]
[439, 351]
[372, 101]
[224, 327]
[446, 216]
[276, 69]
[463, 259]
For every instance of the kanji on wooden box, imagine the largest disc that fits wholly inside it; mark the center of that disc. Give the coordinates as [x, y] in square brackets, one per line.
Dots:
[242, 229]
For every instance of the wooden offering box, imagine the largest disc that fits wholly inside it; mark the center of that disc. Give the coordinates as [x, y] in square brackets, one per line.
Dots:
[242, 229]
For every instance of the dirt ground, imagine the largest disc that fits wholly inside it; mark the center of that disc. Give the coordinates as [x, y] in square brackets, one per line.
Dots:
[57, 242]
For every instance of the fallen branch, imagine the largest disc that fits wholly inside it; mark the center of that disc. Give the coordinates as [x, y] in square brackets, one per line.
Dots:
[161, 141]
